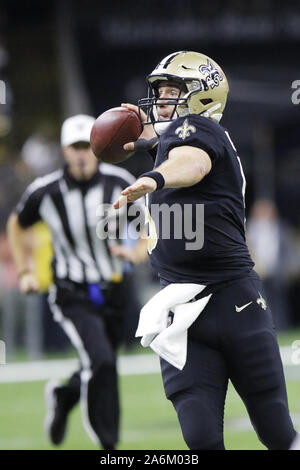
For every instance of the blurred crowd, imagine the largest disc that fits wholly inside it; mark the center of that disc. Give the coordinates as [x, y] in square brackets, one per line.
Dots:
[275, 249]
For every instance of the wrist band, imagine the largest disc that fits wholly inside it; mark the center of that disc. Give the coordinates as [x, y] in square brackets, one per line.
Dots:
[156, 176]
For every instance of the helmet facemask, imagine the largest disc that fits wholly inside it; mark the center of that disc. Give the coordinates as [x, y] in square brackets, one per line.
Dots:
[149, 105]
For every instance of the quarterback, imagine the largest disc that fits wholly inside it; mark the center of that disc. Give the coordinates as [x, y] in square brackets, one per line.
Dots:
[234, 337]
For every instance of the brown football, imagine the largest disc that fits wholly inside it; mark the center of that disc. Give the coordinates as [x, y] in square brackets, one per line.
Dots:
[111, 130]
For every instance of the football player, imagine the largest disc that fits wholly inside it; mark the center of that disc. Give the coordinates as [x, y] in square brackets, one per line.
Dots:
[234, 338]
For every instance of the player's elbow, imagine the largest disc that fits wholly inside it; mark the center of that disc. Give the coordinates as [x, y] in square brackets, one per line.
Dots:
[201, 164]
[199, 171]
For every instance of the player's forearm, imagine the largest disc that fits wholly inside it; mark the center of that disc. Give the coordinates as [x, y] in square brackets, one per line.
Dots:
[184, 167]
[179, 173]
[18, 246]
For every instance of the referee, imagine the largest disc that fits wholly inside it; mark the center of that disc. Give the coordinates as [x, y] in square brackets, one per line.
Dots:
[88, 295]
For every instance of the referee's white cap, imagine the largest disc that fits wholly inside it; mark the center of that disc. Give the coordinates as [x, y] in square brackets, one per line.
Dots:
[76, 129]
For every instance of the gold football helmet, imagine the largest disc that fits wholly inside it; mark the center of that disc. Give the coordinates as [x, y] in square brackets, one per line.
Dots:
[202, 83]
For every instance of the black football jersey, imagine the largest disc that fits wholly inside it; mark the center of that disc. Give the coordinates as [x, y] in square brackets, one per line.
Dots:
[197, 233]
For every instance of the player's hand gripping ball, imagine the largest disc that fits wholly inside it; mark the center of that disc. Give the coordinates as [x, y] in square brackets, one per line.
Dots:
[111, 130]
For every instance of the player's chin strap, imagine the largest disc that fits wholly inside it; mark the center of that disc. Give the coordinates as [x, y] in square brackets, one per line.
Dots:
[161, 127]
[210, 113]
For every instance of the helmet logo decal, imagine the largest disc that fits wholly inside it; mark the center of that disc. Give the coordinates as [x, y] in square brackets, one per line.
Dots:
[185, 130]
[212, 76]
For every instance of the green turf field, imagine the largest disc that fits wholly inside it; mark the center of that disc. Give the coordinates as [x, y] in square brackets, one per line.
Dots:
[148, 419]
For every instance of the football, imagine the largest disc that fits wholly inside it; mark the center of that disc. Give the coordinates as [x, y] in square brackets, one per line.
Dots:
[111, 130]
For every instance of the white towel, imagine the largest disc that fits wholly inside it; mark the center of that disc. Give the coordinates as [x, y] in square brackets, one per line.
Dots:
[170, 342]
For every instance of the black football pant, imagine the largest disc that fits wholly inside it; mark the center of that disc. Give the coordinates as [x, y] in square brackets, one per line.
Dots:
[95, 332]
[224, 344]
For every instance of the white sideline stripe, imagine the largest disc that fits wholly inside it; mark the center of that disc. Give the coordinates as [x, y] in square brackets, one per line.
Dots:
[244, 424]
[62, 368]
[137, 364]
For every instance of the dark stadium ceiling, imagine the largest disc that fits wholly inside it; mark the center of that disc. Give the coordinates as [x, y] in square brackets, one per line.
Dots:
[127, 23]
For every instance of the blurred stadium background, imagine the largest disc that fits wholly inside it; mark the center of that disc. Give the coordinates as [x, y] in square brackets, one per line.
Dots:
[60, 58]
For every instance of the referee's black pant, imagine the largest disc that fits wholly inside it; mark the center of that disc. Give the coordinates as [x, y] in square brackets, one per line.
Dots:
[233, 338]
[95, 332]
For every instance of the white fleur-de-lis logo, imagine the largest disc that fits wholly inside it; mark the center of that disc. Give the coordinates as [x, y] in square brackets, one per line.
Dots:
[185, 130]
[261, 301]
[212, 76]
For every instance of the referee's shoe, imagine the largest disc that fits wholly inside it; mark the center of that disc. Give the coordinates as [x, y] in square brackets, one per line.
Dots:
[56, 416]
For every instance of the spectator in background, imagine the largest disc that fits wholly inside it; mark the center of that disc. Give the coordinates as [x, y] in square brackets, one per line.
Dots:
[27, 321]
[40, 155]
[270, 246]
[16, 329]
[40, 151]
[6, 95]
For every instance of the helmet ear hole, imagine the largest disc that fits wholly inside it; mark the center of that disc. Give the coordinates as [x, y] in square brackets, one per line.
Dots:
[205, 101]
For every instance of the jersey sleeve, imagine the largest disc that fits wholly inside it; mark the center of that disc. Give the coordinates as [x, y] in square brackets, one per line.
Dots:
[29, 204]
[194, 131]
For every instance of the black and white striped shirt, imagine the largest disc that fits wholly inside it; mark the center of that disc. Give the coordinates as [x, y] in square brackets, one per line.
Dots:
[69, 208]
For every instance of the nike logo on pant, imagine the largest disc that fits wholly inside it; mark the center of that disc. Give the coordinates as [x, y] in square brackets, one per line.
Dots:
[239, 309]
